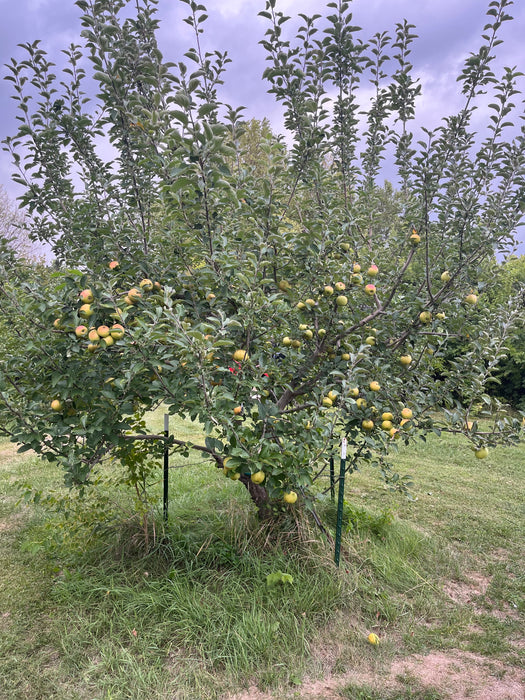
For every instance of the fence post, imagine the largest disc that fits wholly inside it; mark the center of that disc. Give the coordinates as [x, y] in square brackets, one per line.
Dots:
[340, 502]
[166, 465]
[332, 479]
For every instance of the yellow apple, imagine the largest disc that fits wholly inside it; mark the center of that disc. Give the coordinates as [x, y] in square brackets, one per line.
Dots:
[481, 452]
[406, 413]
[353, 391]
[405, 360]
[387, 416]
[258, 477]
[290, 497]
[425, 317]
[345, 356]
[445, 276]
[146, 285]
[103, 331]
[93, 335]
[328, 290]
[240, 355]
[367, 424]
[85, 311]
[117, 331]
[361, 403]
[287, 341]
[374, 386]
[471, 299]
[56, 405]
[327, 402]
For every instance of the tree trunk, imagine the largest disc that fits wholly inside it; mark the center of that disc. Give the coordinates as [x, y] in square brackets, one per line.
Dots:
[259, 496]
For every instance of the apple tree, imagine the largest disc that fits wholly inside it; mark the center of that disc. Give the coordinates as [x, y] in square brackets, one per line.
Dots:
[282, 301]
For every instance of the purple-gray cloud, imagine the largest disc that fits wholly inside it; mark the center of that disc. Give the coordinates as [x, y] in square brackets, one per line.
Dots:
[448, 31]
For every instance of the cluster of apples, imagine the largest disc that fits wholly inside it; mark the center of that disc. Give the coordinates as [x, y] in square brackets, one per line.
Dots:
[368, 424]
[356, 279]
[101, 336]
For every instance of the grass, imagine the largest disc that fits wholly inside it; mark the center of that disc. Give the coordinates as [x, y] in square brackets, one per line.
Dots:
[85, 612]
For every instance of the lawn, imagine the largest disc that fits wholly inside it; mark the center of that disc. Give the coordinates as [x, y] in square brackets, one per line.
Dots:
[86, 612]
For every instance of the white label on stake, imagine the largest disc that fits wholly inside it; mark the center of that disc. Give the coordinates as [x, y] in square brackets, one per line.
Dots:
[343, 448]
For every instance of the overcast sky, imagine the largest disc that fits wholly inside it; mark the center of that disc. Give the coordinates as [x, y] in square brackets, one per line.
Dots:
[448, 30]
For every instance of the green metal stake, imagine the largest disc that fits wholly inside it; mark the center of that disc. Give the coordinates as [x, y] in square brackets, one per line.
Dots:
[166, 465]
[332, 479]
[340, 502]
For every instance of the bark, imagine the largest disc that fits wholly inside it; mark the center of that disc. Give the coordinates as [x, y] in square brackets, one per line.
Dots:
[259, 496]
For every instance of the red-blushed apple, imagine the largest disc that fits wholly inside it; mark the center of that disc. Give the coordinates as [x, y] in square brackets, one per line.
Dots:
[93, 335]
[237, 410]
[86, 296]
[134, 294]
[339, 286]
[113, 264]
[103, 331]
[81, 331]
[372, 271]
[328, 290]
[406, 413]
[370, 289]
